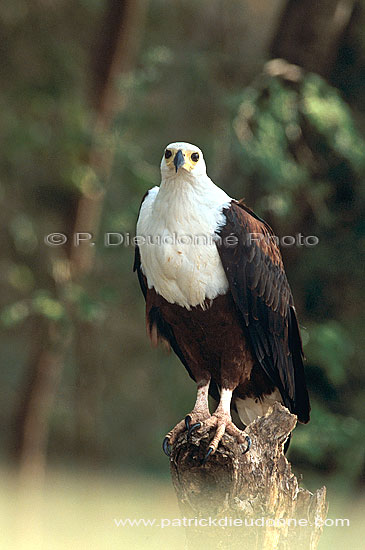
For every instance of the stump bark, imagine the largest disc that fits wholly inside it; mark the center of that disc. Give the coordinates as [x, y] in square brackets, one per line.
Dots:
[250, 500]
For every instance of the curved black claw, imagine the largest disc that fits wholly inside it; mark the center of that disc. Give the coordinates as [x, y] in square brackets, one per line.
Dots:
[249, 442]
[187, 422]
[210, 450]
[194, 427]
[166, 447]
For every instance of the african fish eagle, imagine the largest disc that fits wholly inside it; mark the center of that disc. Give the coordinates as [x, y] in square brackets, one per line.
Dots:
[216, 292]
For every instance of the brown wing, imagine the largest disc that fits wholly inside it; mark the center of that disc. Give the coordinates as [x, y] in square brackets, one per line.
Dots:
[255, 272]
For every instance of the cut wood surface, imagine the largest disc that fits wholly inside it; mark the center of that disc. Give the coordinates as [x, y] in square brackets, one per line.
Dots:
[250, 500]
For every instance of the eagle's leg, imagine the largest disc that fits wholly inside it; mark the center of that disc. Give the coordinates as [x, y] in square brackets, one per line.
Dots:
[222, 420]
[194, 419]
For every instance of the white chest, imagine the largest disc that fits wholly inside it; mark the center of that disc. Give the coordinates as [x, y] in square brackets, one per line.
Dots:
[178, 254]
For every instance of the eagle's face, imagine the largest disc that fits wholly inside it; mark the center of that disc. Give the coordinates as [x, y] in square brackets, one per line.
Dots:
[182, 158]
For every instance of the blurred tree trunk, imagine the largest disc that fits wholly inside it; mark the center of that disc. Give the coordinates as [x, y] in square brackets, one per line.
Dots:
[49, 345]
[114, 53]
[310, 32]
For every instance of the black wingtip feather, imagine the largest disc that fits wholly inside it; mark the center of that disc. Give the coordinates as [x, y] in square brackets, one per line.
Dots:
[262, 295]
[302, 405]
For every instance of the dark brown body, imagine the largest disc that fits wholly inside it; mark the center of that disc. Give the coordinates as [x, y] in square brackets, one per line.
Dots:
[247, 340]
[214, 343]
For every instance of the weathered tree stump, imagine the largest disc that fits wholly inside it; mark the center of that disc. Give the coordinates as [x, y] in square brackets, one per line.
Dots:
[250, 500]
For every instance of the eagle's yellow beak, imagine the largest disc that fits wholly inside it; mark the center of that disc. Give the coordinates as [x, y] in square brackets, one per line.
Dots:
[179, 159]
[182, 159]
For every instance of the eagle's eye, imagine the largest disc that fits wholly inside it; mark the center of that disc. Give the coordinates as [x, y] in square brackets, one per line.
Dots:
[168, 154]
[195, 157]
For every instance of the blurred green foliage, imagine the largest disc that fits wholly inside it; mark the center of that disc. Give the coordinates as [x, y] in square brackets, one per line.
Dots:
[289, 144]
[303, 154]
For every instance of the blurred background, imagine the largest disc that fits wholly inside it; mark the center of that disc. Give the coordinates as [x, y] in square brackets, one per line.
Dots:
[91, 92]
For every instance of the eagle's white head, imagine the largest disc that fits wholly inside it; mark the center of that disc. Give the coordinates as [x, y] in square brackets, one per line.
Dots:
[182, 159]
[187, 208]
